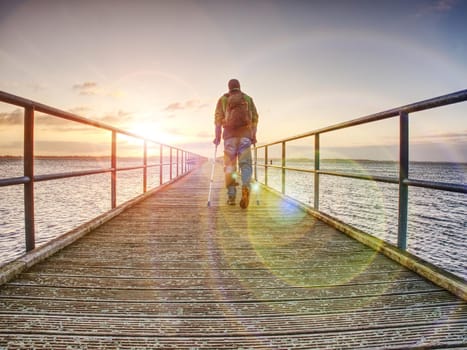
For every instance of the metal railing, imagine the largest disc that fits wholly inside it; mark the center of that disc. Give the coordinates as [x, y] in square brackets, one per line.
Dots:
[183, 163]
[403, 180]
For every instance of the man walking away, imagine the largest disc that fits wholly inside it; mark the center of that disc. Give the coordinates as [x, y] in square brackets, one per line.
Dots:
[236, 114]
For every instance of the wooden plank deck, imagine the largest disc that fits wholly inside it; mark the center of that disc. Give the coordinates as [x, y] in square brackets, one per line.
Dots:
[172, 273]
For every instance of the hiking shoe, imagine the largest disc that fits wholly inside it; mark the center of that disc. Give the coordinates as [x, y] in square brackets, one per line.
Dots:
[245, 197]
[231, 200]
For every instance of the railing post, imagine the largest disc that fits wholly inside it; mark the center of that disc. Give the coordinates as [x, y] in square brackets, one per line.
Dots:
[29, 172]
[185, 161]
[256, 164]
[266, 160]
[145, 170]
[283, 168]
[161, 167]
[316, 175]
[177, 162]
[171, 165]
[403, 175]
[181, 162]
[114, 170]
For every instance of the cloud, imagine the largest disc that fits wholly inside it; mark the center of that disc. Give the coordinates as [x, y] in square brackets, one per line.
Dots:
[16, 117]
[87, 88]
[190, 104]
[444, 5]
[85, 85]
[442, 137]
[12, 118]
[91, 88]
[117, 118]
[174, 106]
[438, 7]
[49, 123]
[111, 118]
[81, 111]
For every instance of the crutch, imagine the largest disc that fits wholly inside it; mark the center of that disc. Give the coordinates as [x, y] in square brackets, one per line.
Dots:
[212, 176]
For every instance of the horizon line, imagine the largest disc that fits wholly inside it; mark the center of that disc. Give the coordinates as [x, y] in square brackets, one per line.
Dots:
[274, 159]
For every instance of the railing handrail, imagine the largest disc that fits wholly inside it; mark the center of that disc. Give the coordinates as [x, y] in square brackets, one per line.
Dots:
[403, 179]
[444, 100]
[183, 158]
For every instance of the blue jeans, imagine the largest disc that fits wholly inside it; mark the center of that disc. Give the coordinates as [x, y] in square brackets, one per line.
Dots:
[237, 149]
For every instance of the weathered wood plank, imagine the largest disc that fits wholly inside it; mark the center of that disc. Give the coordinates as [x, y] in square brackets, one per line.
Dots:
[399, 338]
[172, 273]
[19, 305]
[234, 325]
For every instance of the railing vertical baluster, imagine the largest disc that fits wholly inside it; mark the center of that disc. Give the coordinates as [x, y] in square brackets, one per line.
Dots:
[283, 168]
[114, 170]
[316, 175]
[403, 175]
[266, 160]
[145, 170]
[29, 172]
[161, 165]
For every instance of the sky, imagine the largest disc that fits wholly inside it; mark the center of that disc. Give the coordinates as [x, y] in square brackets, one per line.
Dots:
[157, 68]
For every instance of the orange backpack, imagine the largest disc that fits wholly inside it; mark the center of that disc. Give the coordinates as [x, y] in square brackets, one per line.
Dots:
[237, 113]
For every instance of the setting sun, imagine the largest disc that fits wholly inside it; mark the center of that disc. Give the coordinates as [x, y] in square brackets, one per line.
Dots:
[152, 132]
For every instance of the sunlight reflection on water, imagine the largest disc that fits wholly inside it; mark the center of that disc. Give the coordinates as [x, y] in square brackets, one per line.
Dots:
[437, 225]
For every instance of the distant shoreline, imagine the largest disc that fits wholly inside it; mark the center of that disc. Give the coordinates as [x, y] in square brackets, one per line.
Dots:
[274, 160]
[63, 157]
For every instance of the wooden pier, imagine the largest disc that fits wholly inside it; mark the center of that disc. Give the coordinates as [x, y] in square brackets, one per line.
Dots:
[170, 272]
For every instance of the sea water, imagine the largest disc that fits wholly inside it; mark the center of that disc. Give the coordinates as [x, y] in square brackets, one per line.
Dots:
[61, 205]
[436, 225]
[436, 221]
